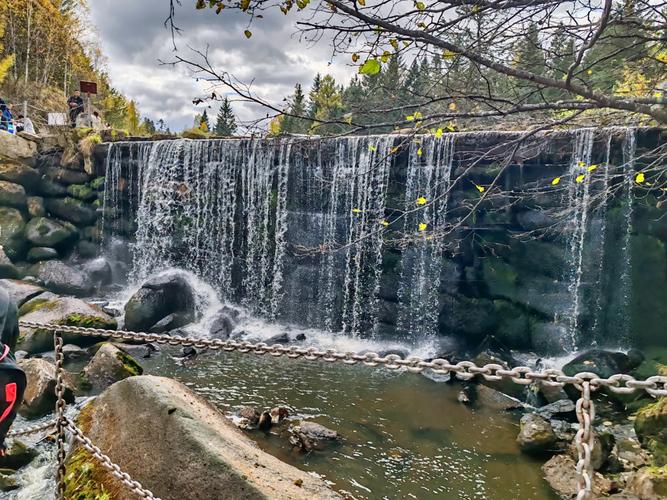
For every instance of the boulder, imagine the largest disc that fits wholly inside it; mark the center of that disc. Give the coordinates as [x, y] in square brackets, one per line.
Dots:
[171, 322]
[40, 396]
[72, 210]
[248, 418]
[87, 249]
[222, 325]
[61, 278]
[560, 473]
[73, 352]
[99, 271]
[18, 455]
[21, 291]
[36, 206]
[110, 364]
[563, 409]
[38, 254]
[651, 429]
[469, 318]
[82, 192]
[65, 176]
[310, 436]
[188, 450]
[47, 187]
[19, 174]
[48, 308]
[13, 147]
[12, 195]
[601, 362]
[536, 435]
[11, 232]
[44, 232]
[7, 269]
[649, 482]
[157, 298]
[8, 480]
[487, 397]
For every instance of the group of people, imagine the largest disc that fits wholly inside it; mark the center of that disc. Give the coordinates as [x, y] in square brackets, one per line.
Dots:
[77, 116]
[14, 125]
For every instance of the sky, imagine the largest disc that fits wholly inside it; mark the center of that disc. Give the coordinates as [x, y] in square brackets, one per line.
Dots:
[134, 39]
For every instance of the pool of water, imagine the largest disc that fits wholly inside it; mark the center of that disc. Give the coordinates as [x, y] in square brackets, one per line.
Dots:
[403, 435]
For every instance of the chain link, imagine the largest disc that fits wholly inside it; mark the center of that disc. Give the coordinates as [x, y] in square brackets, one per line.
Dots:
[585, 441]
[464, 370]
[32, 429]
[586, 382]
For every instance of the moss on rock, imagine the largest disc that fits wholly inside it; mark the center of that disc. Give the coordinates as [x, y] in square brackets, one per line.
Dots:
[89, 321]
[651, 428]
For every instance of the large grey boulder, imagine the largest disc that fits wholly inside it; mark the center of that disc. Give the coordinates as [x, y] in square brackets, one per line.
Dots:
[38, 254]
[160, 296]
[61, 278]
[48, 308]
[110, 364]
[40, 395]
[64, 175]
[21, 291]
[11, 232]
[44, 232]
[20, 174]
[12, 195]
[7, 268]
[72, 210]
[13, 147]
[178, 446]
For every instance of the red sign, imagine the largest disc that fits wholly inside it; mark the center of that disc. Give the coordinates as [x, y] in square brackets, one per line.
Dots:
[88, 87]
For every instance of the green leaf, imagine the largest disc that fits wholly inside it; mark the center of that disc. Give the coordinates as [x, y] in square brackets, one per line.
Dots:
[370, 67]
[247, 33]
[420, 5]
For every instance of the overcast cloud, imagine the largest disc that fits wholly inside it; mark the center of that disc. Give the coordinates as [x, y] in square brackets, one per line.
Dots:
[134, 39]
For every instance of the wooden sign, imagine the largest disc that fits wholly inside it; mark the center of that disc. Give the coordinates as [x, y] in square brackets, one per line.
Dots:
[88, 87]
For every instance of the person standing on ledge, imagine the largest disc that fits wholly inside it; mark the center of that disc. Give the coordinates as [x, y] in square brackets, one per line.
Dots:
[75, 103]
[12, 378]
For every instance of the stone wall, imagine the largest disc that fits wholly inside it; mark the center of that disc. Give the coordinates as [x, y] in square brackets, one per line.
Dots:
[49, 211]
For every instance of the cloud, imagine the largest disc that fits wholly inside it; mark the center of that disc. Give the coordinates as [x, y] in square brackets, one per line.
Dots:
[133, 37]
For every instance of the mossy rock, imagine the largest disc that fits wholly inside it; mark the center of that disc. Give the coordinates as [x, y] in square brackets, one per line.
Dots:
[651, 429]
[85, 478]
[109, 365]
[97, 183]
[12, 239]
[82, 192]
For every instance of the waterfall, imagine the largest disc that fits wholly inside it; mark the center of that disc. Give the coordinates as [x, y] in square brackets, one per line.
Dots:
[428, 177]
[579, 207]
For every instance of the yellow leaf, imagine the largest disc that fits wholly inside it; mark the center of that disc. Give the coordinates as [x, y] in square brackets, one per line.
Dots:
[438, 133]
[384, 223]
[423, 226]
[419, 152]
[421, 201]
[394, 43]
[356, 211]
[452, 106]
[479, 188]
[662, 57]
[580, 178]
[418, 115]
[247, 33]
[244, 4]
[657, 95]
[450, 127]
[372, 148]
[581, 164]
[448, 54]
[420, 5]
[355, 57]
[475, 9]
[385, 56]
[640, 178]
[362, 2]
[410, 118]
[394, 150]
[592, 167]
[589, 72]
[555, 181]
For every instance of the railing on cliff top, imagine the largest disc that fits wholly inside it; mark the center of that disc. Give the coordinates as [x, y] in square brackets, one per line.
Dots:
[585, 382]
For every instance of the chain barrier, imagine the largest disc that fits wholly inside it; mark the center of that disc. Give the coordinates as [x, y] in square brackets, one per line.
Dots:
[585, 382]
[32, 429]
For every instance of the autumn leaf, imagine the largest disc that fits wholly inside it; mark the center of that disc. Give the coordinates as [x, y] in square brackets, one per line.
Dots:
[421, 201]
[479, 188]
[581, 164]
[592, 167]
[589, 72]
[423, 226]
[450, 127]
[438, 133]
[420, 5]
[448, 54]
[410, 118]
[419, 152]
[394, 150]
[640, 178]
[244, 4]
[452, 106]
[555, 181]
[247, 33]
[384, 223]
[370, 67]
[362, 3]
[580, 178]
[394, 43]
[201, 4]
[355, 57]
[418, 115]
[385, 56]
[356, 211]
[372, 148]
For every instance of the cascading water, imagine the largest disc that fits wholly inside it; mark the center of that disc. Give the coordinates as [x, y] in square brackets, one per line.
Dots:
[428, 180]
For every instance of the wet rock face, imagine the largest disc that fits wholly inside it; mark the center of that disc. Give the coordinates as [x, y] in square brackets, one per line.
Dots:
[12, 195]
[158, 298]
[61, 278]
[560, 473]
[536, 435]
[602, 363]
[44, 232]
[310, 436]
[651, 429]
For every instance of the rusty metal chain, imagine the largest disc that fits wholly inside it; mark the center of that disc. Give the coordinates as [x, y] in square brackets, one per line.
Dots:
[60, 413]
[464, 370]
[107, 463]
[585, 441]
[32, 429]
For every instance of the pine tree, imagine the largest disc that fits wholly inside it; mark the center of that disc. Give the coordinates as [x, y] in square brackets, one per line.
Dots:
[226, 121]
[148, 126]
[328, 102]
[204, 123]
[293, 124]
[312, 105]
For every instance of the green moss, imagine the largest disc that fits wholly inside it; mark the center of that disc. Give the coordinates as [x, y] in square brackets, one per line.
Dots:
[89, 321]
[36, 305]
[129, 364]
[84, 477]
[651, 428]
[194, 133]
[97, 184]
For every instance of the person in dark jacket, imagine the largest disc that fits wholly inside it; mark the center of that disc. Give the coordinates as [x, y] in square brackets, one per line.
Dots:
[12, 378]
[75, 104]
[6, 118]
